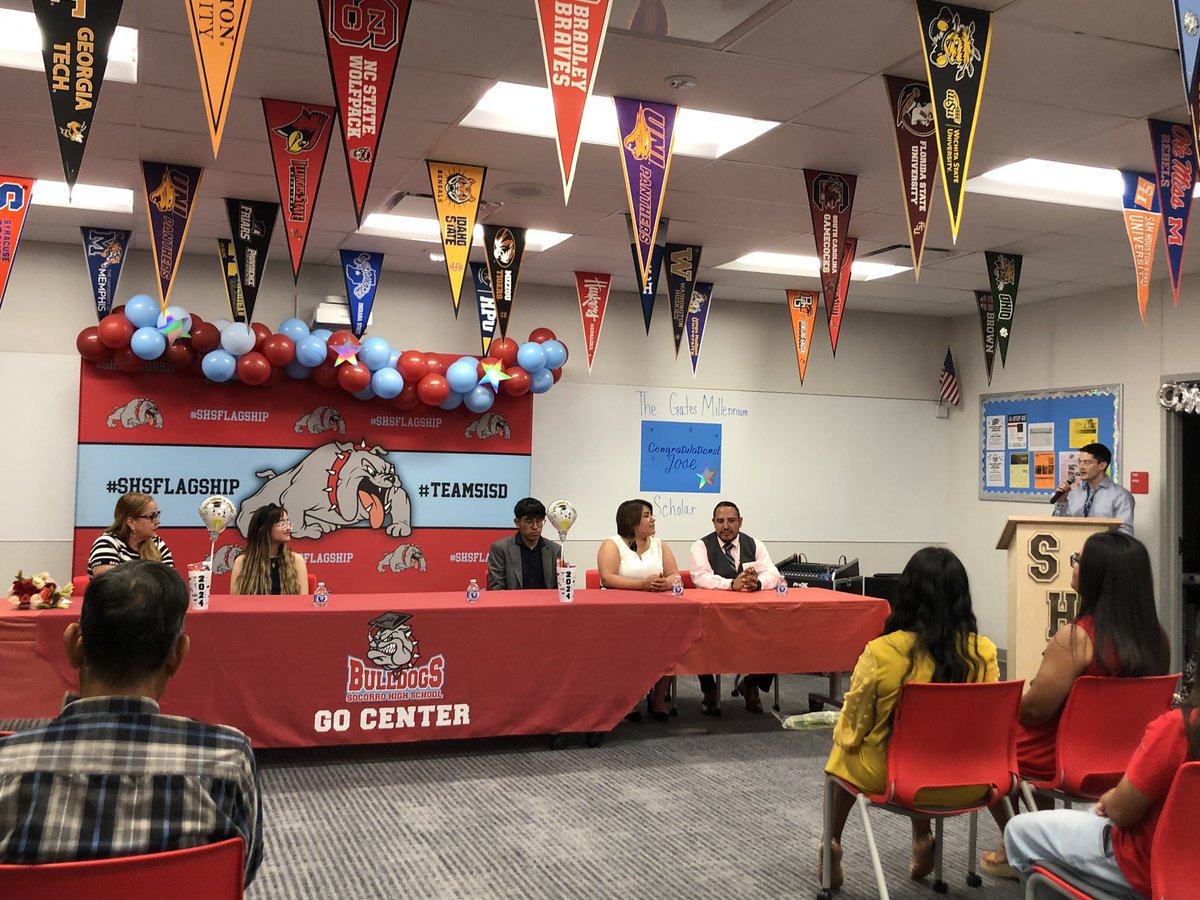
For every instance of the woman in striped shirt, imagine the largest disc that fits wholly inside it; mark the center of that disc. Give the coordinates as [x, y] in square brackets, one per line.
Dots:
[133, 535]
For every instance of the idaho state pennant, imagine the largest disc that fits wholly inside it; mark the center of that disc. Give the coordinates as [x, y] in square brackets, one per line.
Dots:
[835, 310]
[218, 29]
[251, 223]
[16, 194]
[233, 283]
[504, 248]
[830, 199]
[486, 305]
[456, 193]
[1187, 28]
[1142, 215]
[683, 267]
[1004, 273]
[647, 136]
[299, 137]
[592, 290]
[649, 288]
[170, 200]
[75, 40]
[987, 329]
[697, 318]
[1176, 167]
[104, 251]
[956, 41]
[361, 270]
[912, 119]
[803, 307]
[362, 40]
[572, 41]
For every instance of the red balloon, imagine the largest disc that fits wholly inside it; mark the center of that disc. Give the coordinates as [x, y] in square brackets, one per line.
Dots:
[517, 382]
[179, 355]
[115, 331]
[407, 398]
[433, 389]
[412, 365]
[337, 339]
[279, 349]
[438, 365]
[128, 361]
[557, 373]
[196, 320]
[90, 346]
[276, 377]
[117, 310]
[253, 368]
[505, 350]
[205, 337]
[325, 375]
[261, 333]
[353, 378]
[541, 335]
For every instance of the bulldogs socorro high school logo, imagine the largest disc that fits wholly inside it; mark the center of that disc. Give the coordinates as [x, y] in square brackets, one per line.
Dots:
[391, 670]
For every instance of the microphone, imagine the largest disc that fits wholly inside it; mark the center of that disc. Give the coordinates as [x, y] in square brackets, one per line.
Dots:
[1062, 492]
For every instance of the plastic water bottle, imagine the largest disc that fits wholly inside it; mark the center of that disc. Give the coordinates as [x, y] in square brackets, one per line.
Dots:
[677, 585]
[781, 587]
[320, 596]
[473, 591]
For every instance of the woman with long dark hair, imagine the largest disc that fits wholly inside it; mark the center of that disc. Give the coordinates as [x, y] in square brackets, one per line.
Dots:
[931, 636]
[268, 565]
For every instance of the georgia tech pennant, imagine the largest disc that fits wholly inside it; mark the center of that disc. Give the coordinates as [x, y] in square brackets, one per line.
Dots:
[803, 307]
[697, 318]
[75, 39]
[572, 41]
[987, 329]
[486, 304]
[1187, 28]
[647, 136]
[456, 193]
[362, 40]
[299, 137]
[251, 223]
[361, 270]
[233, 283]
[16, 194]
[218, 28]
[956, 41]
[837, 308]
[683, 267]
[1176, 167]
[1142, 215]
[170, 200]
[104, 251]
[912, 121]
[830, 199]
[592, 290]
[649, 288]
[504, 248]
[1004, 273]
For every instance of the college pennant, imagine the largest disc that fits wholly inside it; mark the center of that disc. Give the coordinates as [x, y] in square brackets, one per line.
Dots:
[1004, 273]
[456, 193]
[592, 289]
[1187, 29]
[362, 41]
[104, 251]
[956, 41]
[16, 194]
[233, 284]
[298, 134]
[697, 318]
[218, 29]
[683, 267]
[251, 223]
[170, 200]
[830, 199]
[504, 248]
[1176, 166]
[486, 304]
[987, 329]
[835, 310]
[647, 134]
[1142, 215]
[75, 40]
[361, 269]
[911, 107]
[649, 289]
[803, 307]
[572, 40]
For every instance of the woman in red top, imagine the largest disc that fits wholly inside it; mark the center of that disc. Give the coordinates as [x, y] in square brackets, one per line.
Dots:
[1116, 634]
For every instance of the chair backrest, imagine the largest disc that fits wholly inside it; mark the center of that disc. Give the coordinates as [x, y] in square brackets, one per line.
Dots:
[312, 583]
[1102, 724]
[78, 585]
[1174, 863]
[213, 871]
[953, 735]
[591, 579]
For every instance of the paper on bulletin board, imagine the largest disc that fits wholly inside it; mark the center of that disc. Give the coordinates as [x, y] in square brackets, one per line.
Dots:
[1018, 469]
[995, 467]
[1068, 464]
[995, 433]
[1041, 436]
[1084, 431]
[1043, 470]
[1016, 432]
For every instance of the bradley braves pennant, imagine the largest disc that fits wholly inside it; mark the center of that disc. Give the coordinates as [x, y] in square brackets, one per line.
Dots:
[218, 29]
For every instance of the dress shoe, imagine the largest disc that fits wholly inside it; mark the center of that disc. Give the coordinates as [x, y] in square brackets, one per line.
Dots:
[835, 870]
[711, 705]
[655, 715]
[753, 704]
[923, 857]
[992, 864]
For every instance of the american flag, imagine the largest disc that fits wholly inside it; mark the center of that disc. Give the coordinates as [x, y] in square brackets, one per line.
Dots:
[949, 380]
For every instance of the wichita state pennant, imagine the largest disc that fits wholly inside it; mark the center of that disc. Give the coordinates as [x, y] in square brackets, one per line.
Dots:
[987, 329]
[16, 195]
[456, 193]
[830, 199]
[170, 201]
[218, 28]
[251, 223]
[803, 308]
[835, 310]
[1176, 167]
[1004, 273]
[912, 121]
[485, 303]
[592, 290]
[647, 136]
[75, 41]
[504, 248]
[683, 267]
[233, 282]
[1142, 215]
[362, 40]
[956, 41]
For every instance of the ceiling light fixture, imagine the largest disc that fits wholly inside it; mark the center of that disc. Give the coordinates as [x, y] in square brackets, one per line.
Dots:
[21, 46]
[413, 228]
[794, 264]
[85, 196]
[1048, 181]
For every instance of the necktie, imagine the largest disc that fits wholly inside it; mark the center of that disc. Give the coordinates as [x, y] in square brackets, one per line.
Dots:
[729, 554]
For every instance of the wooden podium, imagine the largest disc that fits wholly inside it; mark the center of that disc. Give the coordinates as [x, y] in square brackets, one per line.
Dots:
[1040, 597]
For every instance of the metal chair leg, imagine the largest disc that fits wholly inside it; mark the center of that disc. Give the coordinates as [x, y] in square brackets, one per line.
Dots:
[776, 706]
[973, 878]
[826, 836]
[1027, 793]
[939, 883]
[862, 803]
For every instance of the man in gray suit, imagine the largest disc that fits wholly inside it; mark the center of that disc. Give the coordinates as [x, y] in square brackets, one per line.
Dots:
[525, 561]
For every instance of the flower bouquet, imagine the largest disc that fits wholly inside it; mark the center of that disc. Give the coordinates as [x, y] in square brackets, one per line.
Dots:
[38, 592]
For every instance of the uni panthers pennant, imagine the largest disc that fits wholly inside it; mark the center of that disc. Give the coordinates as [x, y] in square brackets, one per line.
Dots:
[16, 194]
[1187, 29]
[697, 318]
[830, 199]
[75, 40]
[251, 223]
[361, 270]
[912, 122]
[486, 304]
[1004, 273]
[835, 310]
[218, 28]
[233, 283]
[647, 136]
[592, 290]
[956, 41]
[457, 190]
[1142, 215]
[649, 288]
[802, 305]
[1176, 167]
[104, 251]
[683, 267]
[170, 201]
[987, 329]
[504, 248]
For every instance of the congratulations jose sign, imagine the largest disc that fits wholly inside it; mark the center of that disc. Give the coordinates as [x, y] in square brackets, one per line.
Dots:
[681, 457]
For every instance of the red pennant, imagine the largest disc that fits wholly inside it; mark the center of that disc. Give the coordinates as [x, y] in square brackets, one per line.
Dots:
[16, 195]
[835, 310]
[592, 289]
[830, 199]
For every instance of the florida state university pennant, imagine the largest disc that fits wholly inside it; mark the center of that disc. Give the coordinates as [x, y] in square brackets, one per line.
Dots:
[912, 121]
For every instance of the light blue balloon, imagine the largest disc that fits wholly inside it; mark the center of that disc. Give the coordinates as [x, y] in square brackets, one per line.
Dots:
[311, 351]
[222, 324]
[479, 399]
[293, 328]
[556, 353]
[461, 375]
[393, 358]
[323, 333]
[454, 401]
[148, 343]
[297, 370]
[365, 394]
[387, 383]
[374, 353]
[531, 357]
[218, 365]
[142, 311]
[238, 339]
[541, 381]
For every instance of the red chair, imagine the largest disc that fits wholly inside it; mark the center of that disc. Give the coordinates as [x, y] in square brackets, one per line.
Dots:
[312, 583]
[943, 736]
[78, 585]
[213, 871]
[591, 579]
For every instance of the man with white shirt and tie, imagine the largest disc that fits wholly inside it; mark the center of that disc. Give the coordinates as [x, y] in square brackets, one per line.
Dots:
[1096, 496]
[728, 560]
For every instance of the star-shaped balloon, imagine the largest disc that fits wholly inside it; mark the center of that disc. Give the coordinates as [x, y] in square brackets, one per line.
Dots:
[706, 477]
[493, 374]
[347, 351]
[173, 329]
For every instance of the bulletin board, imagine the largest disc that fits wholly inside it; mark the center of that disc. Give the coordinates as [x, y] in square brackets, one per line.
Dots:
[1029, 442]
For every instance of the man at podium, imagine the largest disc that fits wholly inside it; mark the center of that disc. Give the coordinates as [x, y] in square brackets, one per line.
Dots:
[1095, 496]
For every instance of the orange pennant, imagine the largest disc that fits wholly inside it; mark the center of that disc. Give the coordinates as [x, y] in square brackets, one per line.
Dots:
[217, 33]
[15, 196]
[803, 307]
[1142, 217]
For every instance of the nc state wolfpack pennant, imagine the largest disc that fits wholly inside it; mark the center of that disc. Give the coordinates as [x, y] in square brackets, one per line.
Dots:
[361, 270]
[362, 40]
[649, 288]
[218, 28]
[104, 251]
[505, 248]
[830, 199]
[1175, 165]
[837, 308]
[75, 40]
[647, 135]
[803, 308]
[592, 290]
[1187, 28]
[170, 200]
[486, 304]
[697, 318]
[251, 223]
[299, 137]
[1142, 215]
[912, 119]
[956, 41]
[1004, 273]
[15, 196]
[683, 266]
[987, 329]
[456, 193]
[233, 283]
[572, 40]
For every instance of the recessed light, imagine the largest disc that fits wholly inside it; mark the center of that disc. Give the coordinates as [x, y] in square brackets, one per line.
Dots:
[792, 264]
[413, 228]
[85, 196]
[1048, 181]
[21, 47]
[437, 257]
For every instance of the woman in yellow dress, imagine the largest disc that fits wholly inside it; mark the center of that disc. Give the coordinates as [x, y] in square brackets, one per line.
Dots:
[930, 636]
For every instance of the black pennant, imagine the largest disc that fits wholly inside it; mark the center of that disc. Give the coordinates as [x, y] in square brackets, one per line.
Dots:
[504, 247]
[251, 223]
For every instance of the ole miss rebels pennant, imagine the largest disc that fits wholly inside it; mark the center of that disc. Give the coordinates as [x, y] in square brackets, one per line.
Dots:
[1175, 165]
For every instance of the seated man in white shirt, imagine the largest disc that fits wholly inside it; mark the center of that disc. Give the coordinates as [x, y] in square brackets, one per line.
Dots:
[728, 560]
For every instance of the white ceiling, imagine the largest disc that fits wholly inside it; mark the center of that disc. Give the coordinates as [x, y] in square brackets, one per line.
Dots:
[1071, 80]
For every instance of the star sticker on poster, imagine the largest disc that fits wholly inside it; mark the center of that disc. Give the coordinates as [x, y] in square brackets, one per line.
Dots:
[706, 477]
[347, 351]
[173, 329]
[493, 374]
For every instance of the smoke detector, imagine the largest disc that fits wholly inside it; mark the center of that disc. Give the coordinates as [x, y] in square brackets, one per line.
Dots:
[680, 82]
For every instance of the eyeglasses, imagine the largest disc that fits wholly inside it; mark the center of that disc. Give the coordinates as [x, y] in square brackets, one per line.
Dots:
[1074, 559]
[153, 517]
[284, 524]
